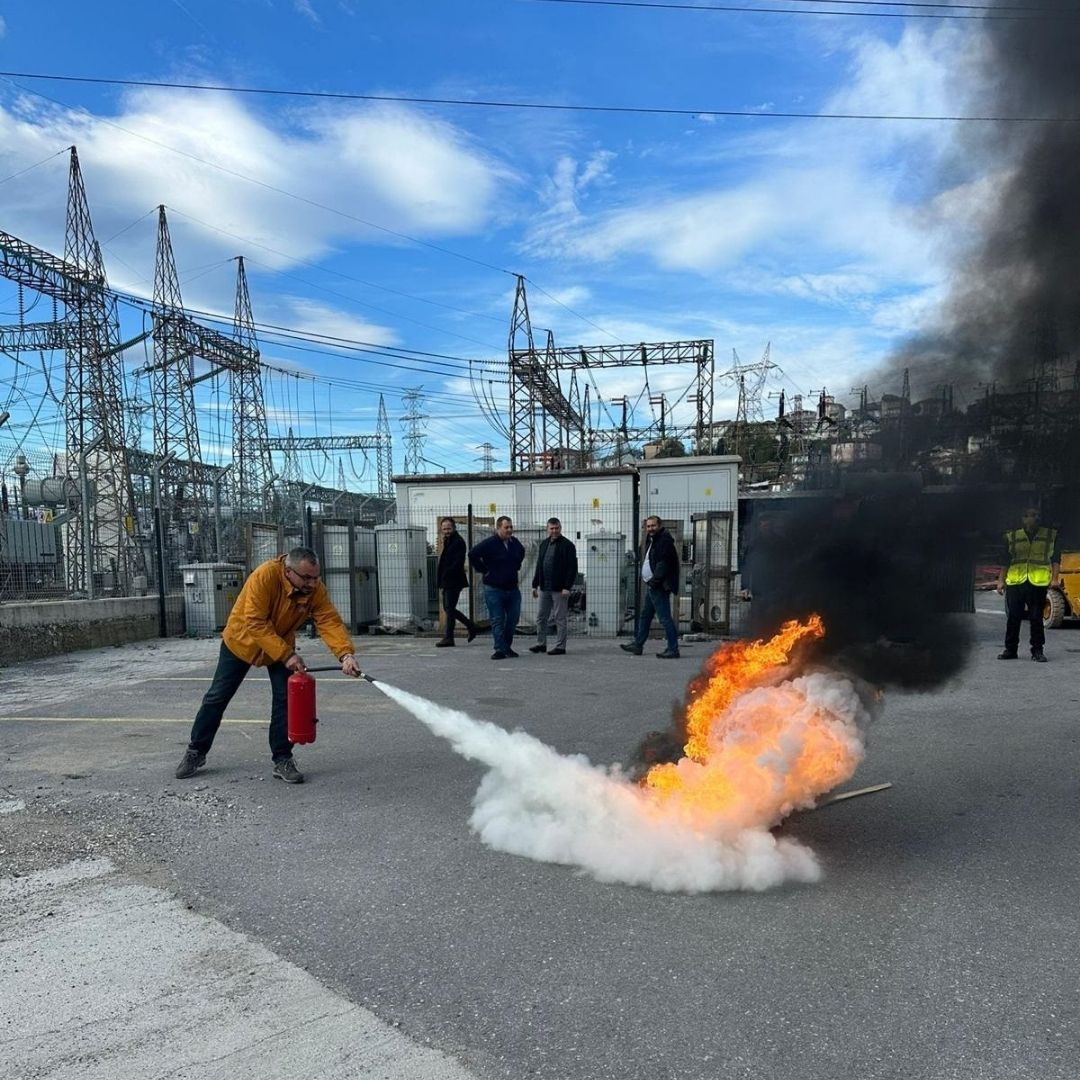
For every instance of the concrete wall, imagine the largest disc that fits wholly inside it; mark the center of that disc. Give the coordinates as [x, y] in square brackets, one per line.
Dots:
[29, 631]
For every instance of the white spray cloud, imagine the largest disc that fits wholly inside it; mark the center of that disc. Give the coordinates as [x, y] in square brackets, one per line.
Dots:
[548, 807]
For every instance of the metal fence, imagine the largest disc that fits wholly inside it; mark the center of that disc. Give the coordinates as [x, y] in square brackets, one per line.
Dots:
[381, 575]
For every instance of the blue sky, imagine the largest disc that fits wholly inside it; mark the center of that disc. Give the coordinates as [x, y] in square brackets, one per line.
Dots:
[832, 240]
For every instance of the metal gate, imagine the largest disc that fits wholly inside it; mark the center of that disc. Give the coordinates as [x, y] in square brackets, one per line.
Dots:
[711, 579]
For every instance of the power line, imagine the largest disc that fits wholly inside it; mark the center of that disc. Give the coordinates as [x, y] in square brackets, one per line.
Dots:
[353, 344]
[920, 9]
[476, 103]
[30, 168]
[335, 273]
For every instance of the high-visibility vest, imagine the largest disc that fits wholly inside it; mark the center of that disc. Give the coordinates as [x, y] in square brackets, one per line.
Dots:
[1029, 557]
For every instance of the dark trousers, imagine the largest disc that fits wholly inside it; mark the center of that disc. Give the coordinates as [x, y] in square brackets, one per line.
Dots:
[504, 607]
[657, 603]
[449, 605]
[227, 679]
[1024, 601]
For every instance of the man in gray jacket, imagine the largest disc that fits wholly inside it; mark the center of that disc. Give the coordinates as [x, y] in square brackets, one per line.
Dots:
[554, 577]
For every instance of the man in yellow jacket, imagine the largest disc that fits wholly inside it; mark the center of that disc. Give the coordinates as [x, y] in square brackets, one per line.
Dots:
[277, 599]
[1032, 563]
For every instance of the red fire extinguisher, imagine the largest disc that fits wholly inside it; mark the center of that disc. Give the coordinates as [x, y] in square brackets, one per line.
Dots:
[301, 703]
[300, 700]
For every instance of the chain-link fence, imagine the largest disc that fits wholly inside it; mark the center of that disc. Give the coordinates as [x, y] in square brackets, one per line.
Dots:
[382, 575]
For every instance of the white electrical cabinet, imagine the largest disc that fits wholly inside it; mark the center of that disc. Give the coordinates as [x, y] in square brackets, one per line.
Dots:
[603, 563]
[210, 590]
[401, 553]
[366, 579]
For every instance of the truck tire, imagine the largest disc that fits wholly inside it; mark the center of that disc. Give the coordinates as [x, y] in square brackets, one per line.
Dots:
[1054, 609]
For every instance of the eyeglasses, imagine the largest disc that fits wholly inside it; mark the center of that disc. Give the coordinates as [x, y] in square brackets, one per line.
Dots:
[309, 578]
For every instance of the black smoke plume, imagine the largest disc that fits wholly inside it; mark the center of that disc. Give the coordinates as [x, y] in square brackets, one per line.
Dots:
[1012, 313]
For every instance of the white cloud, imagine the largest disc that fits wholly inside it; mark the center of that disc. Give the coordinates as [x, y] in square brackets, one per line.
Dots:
[305, 8]
[394, 167]
[830, 211]
[3, 26]
[314, 317]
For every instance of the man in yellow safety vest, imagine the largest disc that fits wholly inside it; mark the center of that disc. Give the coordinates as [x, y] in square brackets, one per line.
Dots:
[1032, 558]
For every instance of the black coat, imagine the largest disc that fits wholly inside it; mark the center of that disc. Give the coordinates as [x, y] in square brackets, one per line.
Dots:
[663, 561]
[565, 568]
[451, 571]
[498, 562]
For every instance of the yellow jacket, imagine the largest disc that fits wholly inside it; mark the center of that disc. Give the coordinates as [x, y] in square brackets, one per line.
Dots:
[269, 610]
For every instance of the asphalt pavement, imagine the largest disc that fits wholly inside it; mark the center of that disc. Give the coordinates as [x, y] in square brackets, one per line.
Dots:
[354, 926]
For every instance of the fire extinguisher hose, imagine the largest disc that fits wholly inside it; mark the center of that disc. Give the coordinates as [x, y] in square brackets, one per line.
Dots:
[335, 667]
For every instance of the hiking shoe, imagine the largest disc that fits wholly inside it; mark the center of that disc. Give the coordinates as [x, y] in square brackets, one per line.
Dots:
[630, 647]
[286, 770]
[667, 654]
[538, 648]
[1008, 654]
[498, 656]
[556, 651]
[444, 643]
[1039, 656]
[189, 763]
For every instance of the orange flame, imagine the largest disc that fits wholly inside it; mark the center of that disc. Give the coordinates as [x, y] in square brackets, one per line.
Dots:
[732, 670]
[756, 750]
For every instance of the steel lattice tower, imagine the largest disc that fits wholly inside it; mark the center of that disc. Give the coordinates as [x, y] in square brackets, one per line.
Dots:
[413, 423]
[541, 419]
[251, 457]
[94, 408]
[175, 429]
[385, 452]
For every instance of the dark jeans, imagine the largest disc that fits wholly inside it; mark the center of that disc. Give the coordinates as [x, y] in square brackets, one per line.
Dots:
[227, 679]
[449, 604]
[657, 602]
[504, 607]
[1024, 601]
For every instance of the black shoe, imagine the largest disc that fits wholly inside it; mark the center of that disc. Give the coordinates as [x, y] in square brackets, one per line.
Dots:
[630, 647]
[556, 652]
[189, 763]
[1038, 656]
[498, 656]
[472, 633]
[667, 654]
[444, 643]
[286, 770]
[538, 648]
[1008, 654]
[513, 655]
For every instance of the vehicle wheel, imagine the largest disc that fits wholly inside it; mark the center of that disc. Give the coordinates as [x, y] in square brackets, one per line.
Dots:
[1053, 609]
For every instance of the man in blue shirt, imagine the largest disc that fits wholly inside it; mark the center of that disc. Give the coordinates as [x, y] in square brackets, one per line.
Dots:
[499, 559]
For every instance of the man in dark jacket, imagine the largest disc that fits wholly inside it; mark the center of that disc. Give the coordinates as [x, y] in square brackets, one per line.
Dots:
[554, 577]
[499, 559]
[660, 574]
[450, 579]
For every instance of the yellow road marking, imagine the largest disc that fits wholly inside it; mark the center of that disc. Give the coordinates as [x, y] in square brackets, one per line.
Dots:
[207, 678]
[114, 720]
